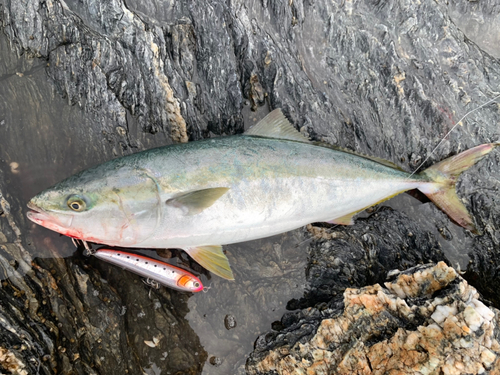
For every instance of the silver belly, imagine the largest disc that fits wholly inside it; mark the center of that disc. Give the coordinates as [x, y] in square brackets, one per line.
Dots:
[258, 209]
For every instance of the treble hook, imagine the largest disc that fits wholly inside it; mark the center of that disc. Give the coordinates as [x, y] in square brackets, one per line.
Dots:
[152, 283]
[88, 249]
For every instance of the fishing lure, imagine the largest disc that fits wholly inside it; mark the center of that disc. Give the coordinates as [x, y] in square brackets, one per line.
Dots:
[155, 271]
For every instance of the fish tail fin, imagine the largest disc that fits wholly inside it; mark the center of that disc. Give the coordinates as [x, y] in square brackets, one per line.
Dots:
[213, 259]
[444, 176]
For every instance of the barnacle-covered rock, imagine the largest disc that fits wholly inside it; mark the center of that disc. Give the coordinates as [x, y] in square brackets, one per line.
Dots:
[428, 320]
[10, 362]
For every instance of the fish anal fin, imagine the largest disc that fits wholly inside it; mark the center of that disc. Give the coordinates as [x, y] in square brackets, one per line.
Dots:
[276, 125]
[195, 202]
[213, 259]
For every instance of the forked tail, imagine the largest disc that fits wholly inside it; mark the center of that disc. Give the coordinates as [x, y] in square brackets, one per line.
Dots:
[444, 175]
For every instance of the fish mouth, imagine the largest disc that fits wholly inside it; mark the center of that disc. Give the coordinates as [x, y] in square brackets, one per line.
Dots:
[36, 214]
[59, 223]
[33, 206]
[46, 219]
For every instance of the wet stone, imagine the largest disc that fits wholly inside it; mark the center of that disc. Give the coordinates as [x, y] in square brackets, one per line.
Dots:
[215, 361]
[229, 321]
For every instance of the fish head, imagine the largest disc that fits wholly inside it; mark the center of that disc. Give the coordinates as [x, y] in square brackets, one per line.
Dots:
[115, 206]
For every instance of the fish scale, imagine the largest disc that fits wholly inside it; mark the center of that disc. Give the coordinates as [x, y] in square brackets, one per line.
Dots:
[274, 197]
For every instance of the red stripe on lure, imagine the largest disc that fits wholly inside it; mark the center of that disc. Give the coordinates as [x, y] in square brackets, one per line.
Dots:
[164, 273]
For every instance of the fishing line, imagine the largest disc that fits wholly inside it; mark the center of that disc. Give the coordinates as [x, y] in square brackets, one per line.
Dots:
[303, 242]
[451, 130]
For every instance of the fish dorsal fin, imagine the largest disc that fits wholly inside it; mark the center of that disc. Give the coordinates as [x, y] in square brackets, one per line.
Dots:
[387, 163]
[213, 259]
[194, 202]
[276, 125]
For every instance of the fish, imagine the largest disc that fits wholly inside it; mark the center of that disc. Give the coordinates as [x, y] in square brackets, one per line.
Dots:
[205, 194]
[152, 269]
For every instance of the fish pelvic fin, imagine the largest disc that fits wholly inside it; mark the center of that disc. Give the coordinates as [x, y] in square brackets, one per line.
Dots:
[213, 259]
[444, 176]
[344, 220]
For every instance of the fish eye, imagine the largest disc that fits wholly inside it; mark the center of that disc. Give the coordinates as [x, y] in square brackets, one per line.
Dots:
[76, 203]
[196, 284]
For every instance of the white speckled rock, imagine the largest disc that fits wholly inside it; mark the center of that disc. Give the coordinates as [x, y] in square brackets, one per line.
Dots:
[400, 329]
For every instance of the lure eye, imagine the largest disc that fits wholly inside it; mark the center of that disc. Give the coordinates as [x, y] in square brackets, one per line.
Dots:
[196, 284]
[76, 203]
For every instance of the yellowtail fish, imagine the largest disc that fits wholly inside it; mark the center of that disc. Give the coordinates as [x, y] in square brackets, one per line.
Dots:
[152, 269]
[201, 195]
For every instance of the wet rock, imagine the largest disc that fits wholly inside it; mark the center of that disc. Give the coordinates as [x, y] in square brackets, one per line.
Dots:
[9, 362]
[362, 254]
[427, 320]
[484, 265]
[83, 82]
[268, 273]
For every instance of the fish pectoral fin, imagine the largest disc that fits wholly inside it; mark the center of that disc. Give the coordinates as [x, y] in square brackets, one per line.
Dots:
[195, 202]
[344, 220]
[276, 125]
[213, 259]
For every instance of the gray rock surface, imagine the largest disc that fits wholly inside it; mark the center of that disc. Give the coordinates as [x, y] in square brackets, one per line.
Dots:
[85, 81]
[385, 241]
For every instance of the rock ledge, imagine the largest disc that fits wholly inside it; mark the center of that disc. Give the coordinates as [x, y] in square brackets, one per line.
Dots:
[428, 320]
